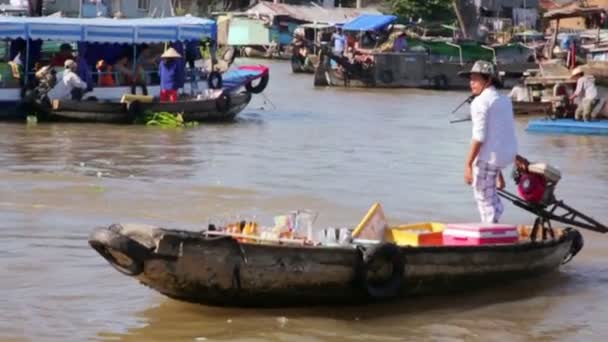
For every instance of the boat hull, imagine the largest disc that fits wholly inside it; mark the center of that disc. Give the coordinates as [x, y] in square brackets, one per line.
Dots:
[116, 112]
[568, 126]
[532, 108]
[300, 65]
[222, 271]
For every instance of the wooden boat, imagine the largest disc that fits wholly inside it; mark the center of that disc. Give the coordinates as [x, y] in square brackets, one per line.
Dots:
[219, 270]
[300, 64]
[532, 108]
[223, 108]
[220, 267]
[568, 126]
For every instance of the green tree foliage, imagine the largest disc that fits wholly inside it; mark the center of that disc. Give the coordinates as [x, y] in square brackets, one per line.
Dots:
[428, 10]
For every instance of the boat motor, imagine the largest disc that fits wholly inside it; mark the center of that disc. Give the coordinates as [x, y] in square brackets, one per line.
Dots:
[536, 183]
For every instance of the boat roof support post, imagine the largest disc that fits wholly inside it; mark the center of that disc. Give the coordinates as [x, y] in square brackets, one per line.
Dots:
[134, 78]
[553, 39]
[493, 53]
[459, 51]
[26, 67]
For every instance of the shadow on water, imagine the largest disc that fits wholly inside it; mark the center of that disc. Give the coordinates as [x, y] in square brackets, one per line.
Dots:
[180, 320]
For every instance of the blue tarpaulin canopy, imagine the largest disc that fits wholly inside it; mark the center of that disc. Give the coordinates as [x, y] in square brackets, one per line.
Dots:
[105, 30]
[369, 22]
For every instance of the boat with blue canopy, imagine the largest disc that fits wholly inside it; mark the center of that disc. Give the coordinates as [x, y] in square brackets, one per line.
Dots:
[109, 40]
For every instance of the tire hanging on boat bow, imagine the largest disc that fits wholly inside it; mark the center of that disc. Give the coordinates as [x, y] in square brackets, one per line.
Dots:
[576, 246]
[383, 254]
[258, 88]
[126, 255]
[214, 80]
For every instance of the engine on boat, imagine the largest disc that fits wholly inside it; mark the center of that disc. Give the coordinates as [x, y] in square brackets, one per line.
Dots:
[536, 184]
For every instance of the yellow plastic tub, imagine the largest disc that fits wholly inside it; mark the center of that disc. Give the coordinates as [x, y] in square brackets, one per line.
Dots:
[416, 234]
[127, 98]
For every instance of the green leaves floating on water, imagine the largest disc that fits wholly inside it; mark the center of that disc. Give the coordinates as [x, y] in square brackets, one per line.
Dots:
[164, 119]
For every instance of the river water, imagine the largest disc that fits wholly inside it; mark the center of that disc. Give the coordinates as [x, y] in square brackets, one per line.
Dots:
[334, 151]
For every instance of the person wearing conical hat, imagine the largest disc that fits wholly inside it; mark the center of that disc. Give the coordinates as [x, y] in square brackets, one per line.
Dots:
[493, 144]
[168, 71]
[586, 90]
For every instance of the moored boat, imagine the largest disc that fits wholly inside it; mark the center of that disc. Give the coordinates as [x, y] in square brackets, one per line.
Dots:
[522, 108]
[221, 108]
[103, 103]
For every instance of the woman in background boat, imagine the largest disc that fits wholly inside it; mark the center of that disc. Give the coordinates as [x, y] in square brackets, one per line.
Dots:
[170, 78]
[494, 144]
[71, 86]
[585, 89]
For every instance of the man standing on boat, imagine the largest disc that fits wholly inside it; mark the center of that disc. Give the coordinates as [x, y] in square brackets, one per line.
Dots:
[585, 88]
[493, 144]
[339, 42]
[70, 86]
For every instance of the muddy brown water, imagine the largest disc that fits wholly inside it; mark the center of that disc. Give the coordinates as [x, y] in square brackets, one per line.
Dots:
[331, 150]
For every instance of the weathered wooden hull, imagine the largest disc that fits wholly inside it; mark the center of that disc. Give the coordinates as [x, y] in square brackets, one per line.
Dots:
[532, 108]
[221, 271]
[599, 69]
[405, 70]
[115, 112]
[299, 66]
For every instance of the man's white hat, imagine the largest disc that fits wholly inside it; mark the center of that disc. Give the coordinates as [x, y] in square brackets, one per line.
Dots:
[69, 63]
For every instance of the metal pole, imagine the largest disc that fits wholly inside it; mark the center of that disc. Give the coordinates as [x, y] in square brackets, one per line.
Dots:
[27, 60]
[80, 8]
[525, 35]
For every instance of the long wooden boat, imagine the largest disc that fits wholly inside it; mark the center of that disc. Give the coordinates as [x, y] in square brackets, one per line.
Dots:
[532, 108]
[219, 270]
[223, 108]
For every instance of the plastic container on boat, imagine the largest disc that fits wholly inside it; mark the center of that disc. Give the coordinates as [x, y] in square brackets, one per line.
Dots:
[416, 234]
[474, 234]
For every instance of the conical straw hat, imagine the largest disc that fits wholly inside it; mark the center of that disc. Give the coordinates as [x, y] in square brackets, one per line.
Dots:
[171, 53]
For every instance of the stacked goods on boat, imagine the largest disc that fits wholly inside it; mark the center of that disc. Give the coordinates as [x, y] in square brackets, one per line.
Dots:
[297, 228]
[373, 229]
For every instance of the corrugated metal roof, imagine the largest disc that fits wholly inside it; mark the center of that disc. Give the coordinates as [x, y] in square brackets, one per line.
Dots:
[573, 12]
[310, 13]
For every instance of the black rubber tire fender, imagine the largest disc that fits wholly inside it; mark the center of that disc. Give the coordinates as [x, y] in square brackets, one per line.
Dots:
[134, 109]
[223, 103]
[258, 88]
[576, 246]
[386, 76]
[386, 253]
[214, 80]
[107, 240]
